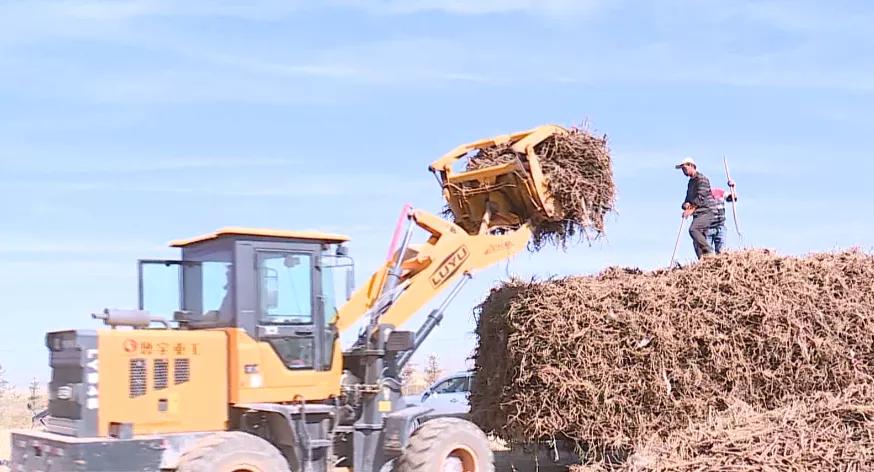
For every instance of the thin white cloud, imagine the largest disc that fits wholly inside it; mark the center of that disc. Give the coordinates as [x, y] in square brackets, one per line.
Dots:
[804, 65]
[753, 159]
[787, 15]
[136, 165]
[107, 12]
[294, 185]
[194, 74]
[66, 274]
[371, 64]
[205, 73]
[477, 7]
[130, 10]
[104, 10]
[285, 68]
[413, 61]
[35, 244]
[800, 16]
[193, 83]
[417, 60]
[433, 62]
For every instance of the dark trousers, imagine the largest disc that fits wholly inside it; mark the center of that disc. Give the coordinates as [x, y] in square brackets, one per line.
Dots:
[701, 222]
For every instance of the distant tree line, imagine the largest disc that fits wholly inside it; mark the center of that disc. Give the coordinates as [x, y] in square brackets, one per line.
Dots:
[415, 380]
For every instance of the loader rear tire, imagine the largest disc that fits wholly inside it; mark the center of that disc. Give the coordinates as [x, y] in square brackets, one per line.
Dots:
[232, 451]
[447, 445]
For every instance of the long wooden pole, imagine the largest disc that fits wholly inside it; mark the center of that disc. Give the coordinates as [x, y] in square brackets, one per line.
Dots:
[677, 243]
[733, 199]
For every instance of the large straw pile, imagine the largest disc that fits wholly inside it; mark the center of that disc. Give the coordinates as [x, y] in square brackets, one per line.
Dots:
[579, 171]
[823, 432]
[615, 360]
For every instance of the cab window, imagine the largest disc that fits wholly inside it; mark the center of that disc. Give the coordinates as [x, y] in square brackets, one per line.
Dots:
[286, 287]
[295, 352]
[203, 288]
[217, 286]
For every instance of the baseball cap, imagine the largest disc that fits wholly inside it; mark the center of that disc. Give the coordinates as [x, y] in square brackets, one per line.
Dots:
[685, 161]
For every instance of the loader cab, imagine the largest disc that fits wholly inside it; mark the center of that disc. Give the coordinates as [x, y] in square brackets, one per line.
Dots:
[278, 286]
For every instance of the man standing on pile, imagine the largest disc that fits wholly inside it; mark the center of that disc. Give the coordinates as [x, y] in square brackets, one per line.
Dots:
[699, 204]
[716, 233]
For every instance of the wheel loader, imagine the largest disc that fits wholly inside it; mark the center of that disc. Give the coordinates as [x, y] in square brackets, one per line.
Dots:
[234, 362]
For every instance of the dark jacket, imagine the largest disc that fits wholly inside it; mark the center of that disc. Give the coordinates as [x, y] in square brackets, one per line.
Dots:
[698, 194]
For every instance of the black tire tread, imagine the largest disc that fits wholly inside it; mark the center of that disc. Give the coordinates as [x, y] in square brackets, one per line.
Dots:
[419, 454]
[202, 456]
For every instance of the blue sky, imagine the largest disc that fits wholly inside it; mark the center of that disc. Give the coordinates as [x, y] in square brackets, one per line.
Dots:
[125, 124]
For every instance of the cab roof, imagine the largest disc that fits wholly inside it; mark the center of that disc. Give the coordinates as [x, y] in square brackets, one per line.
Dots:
[232, 231]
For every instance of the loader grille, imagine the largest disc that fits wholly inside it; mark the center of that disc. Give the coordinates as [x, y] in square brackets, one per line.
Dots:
[138, 375]
[74, 389]
[181, 370]
[161, 373]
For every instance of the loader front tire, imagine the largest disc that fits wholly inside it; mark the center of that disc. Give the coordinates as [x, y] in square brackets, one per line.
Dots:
[447, 445]
[232, 451]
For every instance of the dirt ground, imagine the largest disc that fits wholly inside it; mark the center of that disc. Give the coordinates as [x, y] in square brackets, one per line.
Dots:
[505, 460]
[518, 459]
[509, 461]
[4, 447]
[15, 415]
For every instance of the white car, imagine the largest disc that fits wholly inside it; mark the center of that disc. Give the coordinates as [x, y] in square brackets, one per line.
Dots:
[448, 396]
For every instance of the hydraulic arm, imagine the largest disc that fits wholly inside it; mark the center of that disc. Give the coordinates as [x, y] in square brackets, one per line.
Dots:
[418, 273]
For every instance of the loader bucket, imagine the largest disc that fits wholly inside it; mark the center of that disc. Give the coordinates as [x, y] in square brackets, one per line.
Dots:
[514, 192]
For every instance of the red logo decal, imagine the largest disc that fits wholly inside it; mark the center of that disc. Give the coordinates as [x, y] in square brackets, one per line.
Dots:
[130, 345]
